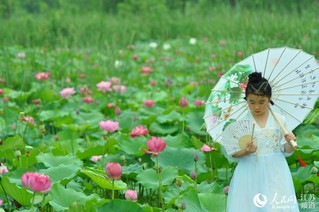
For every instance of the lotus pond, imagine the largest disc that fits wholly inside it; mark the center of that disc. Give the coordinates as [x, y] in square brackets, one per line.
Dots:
[123, 132]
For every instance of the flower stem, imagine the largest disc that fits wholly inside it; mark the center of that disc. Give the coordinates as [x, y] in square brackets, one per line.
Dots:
[112, 189]
[211, 167]
[183, 127]
[160, 194]
[32, 205]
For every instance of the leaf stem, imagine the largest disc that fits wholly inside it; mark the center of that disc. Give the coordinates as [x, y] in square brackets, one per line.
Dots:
[160, 194]
[5, 193]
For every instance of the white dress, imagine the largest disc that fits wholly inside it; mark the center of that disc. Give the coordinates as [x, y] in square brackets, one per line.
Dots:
[262, 181]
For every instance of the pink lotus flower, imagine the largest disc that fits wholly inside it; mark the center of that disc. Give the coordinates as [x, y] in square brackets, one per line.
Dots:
[3, 169]
[95, 158]
[85, 91]
[36, 182]
[226, 189]
[206, 148]
[138, 131]
[1, 202]
[183, 102]
[115, 81]
[82, 75]
[114, 170]
[28, 119]
[131, 195]
[153, 82]
[135, 57]
[42, 76]
[212, 68]
[213, 56]
[146, 70]
[222, 43]
[149, 103]
[67, 79]
[67, 92]
[36, 101]
[1, 91]
[220, 74]
[193, 175]
[195, 84]
[104, 86]
[117, 111]
[131, 46]
[6, 99]
[243, 86]
[155, 145]
[198, 102]
[119, 88]
[87, 99]
[110, 126]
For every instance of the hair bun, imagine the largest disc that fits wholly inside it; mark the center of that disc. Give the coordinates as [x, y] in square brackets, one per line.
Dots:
[255, 77]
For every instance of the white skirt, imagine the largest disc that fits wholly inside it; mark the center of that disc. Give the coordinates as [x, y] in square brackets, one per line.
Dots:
[262, 183]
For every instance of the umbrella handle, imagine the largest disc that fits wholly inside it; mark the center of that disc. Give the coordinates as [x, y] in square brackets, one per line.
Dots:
[292, 142]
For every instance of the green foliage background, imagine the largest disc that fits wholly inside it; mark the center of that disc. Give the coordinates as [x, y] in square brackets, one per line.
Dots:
[104, 24]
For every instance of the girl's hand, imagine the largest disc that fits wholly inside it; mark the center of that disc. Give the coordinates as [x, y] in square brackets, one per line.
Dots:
[289, 147]
[251, 148]
[290, 136]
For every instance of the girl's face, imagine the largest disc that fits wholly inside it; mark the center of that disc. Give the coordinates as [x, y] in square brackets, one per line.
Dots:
[258, 105]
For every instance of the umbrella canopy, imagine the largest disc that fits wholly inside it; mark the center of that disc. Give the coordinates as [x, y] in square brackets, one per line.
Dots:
[293, 75]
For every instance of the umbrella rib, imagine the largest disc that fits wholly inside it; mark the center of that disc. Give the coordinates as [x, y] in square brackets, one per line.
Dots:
[296, 78]
[222, 110]
[281, 71]
[235, 118]
[223, 122]
[278, 80]
[308, 83]
[266, 63]
[293, 103]
[226, 100]
[298, 94]
[254, 63]
[236, 82]
[288, 113]
[272, 71]
[228, 91]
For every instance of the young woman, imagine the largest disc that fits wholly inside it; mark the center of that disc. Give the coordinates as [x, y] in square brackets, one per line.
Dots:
[262, 180]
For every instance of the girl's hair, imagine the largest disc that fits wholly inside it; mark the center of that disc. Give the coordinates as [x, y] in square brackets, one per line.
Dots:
[258, 85]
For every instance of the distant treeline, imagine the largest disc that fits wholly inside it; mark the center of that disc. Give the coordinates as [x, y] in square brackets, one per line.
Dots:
[9, 8]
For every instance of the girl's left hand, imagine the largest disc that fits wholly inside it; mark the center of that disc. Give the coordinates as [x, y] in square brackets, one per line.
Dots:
[290, 136]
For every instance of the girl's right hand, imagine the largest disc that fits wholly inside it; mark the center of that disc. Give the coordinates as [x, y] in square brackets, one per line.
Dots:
[251, 148]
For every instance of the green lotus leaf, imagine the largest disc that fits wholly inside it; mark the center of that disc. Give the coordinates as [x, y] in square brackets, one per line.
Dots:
[99, 177]
[149, 178]
[50, 160]
[121, 205]
[59, 202]
[20, 194]
[182, 159]
[164, 129]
